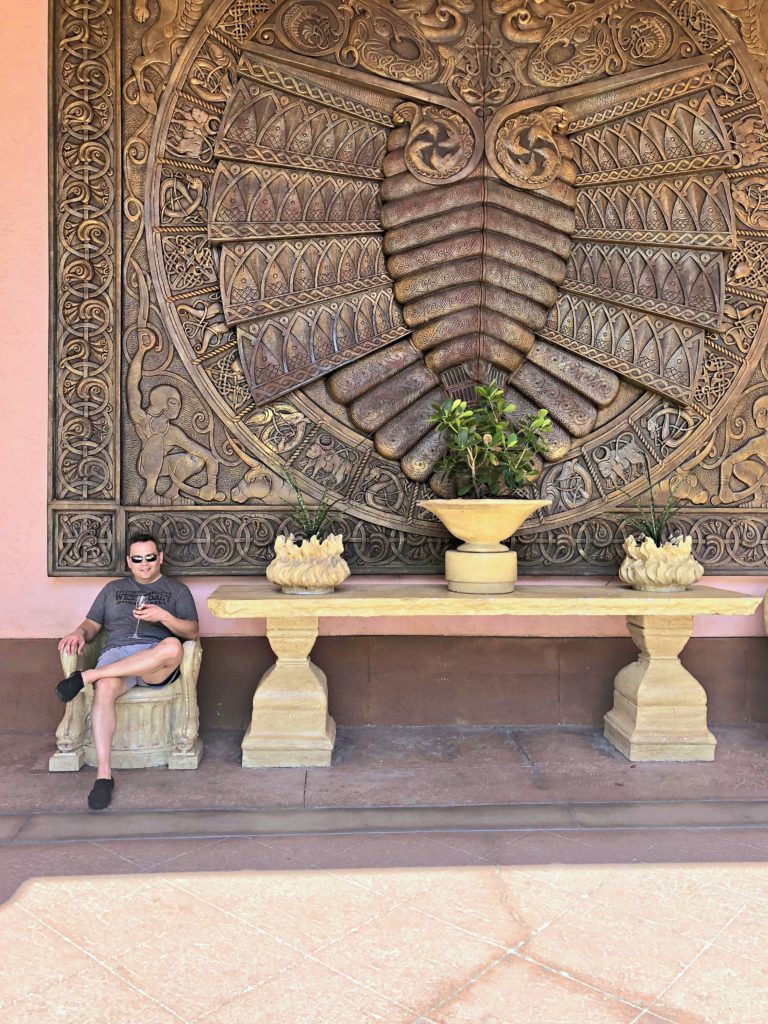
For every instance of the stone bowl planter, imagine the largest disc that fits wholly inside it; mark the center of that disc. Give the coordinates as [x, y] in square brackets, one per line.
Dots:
[482, 564]
[312, 566]
[666, 569]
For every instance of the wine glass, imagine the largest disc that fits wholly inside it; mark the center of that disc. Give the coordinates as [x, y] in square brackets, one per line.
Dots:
[141, 600]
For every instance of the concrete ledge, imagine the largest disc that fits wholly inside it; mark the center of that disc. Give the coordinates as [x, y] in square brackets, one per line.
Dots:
[664, 814]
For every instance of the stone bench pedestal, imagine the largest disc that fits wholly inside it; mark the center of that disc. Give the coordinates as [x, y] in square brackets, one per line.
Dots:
[290, 725]
[660, 709]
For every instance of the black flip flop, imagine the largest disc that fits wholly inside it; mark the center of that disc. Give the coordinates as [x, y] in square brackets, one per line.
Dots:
[69, 688]
[101, 794]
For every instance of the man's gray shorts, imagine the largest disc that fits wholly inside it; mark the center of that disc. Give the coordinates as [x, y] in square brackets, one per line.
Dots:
[118, 653]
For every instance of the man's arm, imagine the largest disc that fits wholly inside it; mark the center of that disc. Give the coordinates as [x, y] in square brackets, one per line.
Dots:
[184, 629]
[74, 642]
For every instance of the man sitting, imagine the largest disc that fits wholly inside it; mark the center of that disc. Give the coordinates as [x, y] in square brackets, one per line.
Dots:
[142, 646]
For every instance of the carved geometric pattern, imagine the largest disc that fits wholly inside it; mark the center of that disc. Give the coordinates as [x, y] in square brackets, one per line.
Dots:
[748, 269]
[84, 540]
[269, 127]
[279, 354]
[255, 201]
[739, 541]
[264, 73]
[698, 22]
[682, 284]
[658, 354]
[268, 277]
[688, 130]
[242, 542]
[694, 206]
[189, 260]
[242, 17]
[718, 373]
[652, 97]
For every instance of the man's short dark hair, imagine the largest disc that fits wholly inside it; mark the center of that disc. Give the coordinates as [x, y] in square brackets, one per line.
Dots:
[143, 538]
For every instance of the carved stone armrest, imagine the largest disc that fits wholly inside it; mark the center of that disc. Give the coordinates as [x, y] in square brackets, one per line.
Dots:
[187, 720]
[88, 658]
[70, 734]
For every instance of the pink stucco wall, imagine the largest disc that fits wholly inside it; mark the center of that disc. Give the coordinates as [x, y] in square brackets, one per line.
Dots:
[31, 604]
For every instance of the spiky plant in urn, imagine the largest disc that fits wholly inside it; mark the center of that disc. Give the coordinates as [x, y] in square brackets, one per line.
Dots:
[313, 564]
[489, 457]
[655, 557]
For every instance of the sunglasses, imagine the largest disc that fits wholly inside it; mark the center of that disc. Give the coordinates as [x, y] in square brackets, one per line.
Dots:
[142, 558]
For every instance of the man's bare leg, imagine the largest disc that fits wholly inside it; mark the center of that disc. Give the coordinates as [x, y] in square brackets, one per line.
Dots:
[153, 665]
[106, 691]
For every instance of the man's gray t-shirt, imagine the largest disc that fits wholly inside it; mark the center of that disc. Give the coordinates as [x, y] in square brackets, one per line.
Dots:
[114, 605]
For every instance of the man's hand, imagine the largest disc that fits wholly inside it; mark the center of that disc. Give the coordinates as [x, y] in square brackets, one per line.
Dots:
[150, 613]
[72, 643]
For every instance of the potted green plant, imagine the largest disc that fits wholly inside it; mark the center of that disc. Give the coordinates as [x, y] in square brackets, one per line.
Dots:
[489, 457]
[655, 557]
[313, 564]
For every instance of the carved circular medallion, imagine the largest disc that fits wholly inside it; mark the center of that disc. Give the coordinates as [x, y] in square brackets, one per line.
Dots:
[311, 27]
[440, 144]
[524, 149]
[647, 38]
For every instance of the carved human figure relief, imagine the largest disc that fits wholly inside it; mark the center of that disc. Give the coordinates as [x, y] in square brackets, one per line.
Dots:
[167, 452]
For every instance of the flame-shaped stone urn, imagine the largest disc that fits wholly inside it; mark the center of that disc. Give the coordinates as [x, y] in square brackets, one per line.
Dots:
[665, 569]
[312, 566]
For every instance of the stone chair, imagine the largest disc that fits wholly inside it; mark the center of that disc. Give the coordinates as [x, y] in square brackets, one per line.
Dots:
[154, 726]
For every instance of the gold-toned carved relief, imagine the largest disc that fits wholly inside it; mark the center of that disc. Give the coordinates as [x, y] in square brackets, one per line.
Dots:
[167, 452]
[334, 215]
[160, 44]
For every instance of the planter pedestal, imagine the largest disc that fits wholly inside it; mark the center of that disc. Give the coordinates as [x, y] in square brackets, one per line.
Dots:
[473, 570]
[482, 564]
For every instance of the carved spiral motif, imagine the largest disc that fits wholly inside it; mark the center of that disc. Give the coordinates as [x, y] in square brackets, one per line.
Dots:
[310, 26]
[647, 38]
[440, 143]
[526, 148]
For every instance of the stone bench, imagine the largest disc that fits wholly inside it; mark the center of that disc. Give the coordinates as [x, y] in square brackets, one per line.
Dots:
[659, 711]
[154, 726]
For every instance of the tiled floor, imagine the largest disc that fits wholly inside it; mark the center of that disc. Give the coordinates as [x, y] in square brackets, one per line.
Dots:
[616, 927]
[586, 925]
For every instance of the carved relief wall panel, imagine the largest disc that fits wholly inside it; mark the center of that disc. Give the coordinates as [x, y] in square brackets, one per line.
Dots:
[282, 229]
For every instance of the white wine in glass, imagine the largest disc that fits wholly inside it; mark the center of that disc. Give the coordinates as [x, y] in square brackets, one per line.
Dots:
[141, 600]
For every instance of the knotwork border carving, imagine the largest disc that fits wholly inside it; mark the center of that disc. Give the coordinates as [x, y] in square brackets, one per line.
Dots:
[84, 272]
